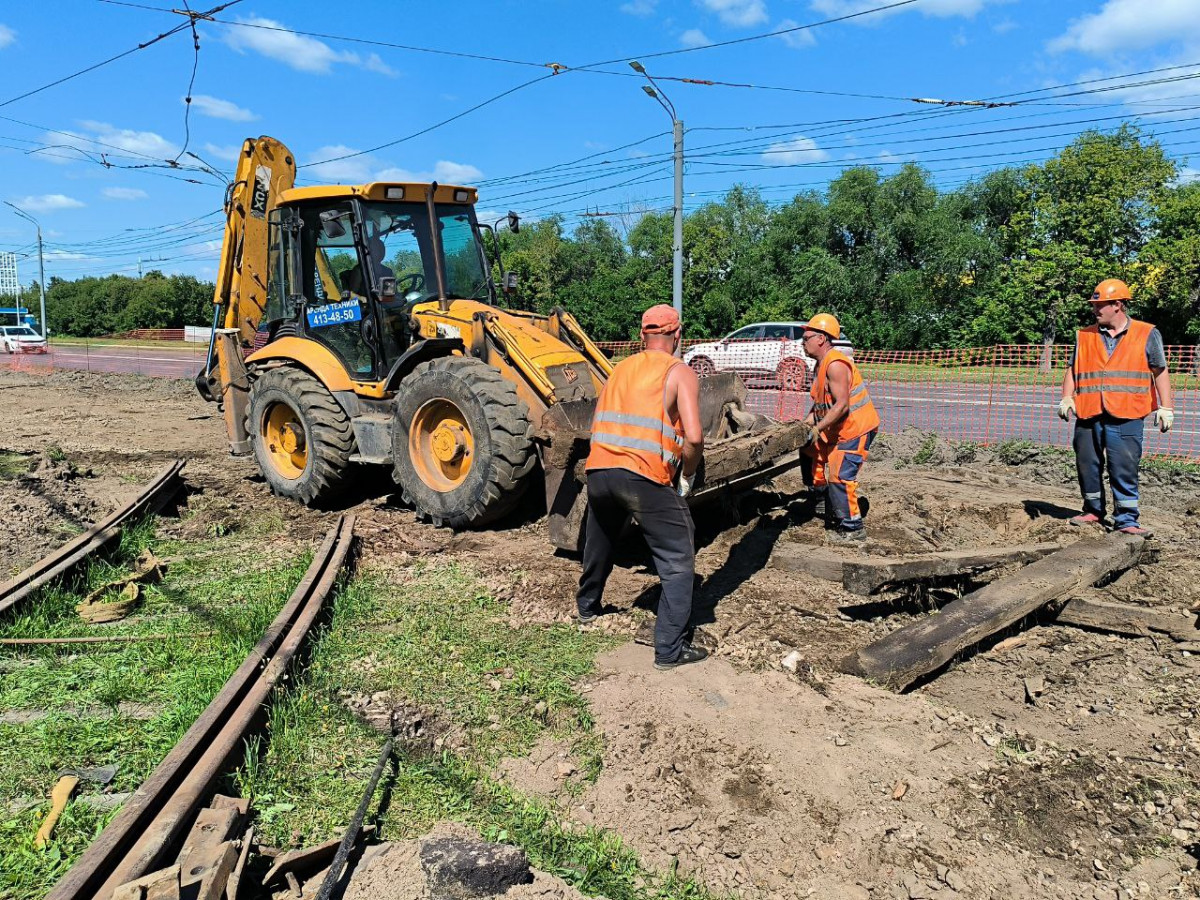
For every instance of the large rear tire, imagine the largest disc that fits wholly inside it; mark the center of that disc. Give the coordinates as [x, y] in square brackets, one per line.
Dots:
[302, 437]
[462, 442]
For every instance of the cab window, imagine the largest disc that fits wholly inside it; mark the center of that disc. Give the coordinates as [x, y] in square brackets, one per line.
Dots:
[777, 332]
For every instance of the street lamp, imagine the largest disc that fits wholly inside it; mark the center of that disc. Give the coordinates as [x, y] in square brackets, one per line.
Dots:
[656, 92]
[41, 262]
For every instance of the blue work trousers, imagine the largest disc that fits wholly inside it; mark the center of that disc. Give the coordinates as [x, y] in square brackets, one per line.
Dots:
[1118, 442]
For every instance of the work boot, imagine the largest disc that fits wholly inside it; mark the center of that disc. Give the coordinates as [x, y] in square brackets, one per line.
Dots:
[846, 536]
[1138, 530]
[688, 654]
[1086, 519]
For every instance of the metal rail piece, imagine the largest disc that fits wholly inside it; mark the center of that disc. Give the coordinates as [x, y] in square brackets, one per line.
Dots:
[158, 814]
[58, 563]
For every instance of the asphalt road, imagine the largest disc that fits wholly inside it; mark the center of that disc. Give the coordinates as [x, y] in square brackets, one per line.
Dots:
[975, 412]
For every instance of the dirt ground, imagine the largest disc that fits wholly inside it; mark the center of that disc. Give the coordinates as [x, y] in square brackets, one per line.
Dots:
[768, 782]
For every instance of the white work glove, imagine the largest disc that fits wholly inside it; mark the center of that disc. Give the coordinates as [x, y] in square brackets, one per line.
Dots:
[685, 484]
[1066, 408]
[1164, 418]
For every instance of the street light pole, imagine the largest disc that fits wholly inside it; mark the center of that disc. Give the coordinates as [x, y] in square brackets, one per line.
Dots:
[653, 90]
[41, 265]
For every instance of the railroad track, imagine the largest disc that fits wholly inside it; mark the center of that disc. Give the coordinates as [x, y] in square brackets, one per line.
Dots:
[55, 565]
[155, 819]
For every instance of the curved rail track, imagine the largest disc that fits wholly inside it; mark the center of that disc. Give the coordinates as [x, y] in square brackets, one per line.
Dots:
[154, 820]
[70, 554]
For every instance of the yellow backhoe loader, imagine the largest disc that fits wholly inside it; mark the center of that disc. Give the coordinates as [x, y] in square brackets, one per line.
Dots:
[359, 325]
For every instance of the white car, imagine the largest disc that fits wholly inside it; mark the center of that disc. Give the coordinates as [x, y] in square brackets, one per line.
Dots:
[766, 351]
[21, 339]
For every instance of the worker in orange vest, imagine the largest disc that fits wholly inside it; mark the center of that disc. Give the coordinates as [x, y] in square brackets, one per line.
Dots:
[844, 422]
[647, 442]
[1117, 377]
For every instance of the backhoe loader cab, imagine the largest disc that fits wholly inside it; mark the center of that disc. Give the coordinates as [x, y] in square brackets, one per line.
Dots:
[358, 325]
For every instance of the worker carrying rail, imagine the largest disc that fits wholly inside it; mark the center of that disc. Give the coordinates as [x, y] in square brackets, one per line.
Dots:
[844, 422]
[647, 443]
[1117, 377]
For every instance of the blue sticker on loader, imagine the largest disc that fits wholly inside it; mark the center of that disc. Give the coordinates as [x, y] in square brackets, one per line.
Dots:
[334, 314]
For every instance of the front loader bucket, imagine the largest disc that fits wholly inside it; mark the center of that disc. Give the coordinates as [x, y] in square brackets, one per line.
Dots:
[741, 450]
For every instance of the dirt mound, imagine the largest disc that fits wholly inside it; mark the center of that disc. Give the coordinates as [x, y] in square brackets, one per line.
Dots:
[763, 786]
[42, 507]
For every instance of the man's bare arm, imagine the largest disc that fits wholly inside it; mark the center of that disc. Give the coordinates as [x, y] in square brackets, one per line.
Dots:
[838, 378]
[685, 385]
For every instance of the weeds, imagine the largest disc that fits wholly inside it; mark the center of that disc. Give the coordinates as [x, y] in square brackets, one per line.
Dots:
[438, 641]
[14, 465]
[116, 703]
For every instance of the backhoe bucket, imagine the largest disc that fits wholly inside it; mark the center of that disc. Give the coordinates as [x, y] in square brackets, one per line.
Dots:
[742, 450]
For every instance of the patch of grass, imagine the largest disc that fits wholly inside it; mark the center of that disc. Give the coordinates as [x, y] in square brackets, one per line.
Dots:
[1171, 465]
[54, 453]
[438, 642]
[925, 453]
[13, 465]
[214, 617]
[1015, 451]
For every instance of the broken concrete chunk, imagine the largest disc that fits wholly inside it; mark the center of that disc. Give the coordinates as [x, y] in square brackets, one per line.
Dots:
[458, 868]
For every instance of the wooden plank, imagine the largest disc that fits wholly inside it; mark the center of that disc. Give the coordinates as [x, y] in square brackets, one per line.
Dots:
[866, 575]
[908, 653]
[1121, 618]
[808, 559]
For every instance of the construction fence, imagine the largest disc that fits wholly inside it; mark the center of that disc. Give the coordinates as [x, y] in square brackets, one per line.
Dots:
[980, 394]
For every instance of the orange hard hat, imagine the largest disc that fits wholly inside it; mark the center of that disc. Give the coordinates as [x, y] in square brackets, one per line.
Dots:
[1111, 289]
[660, 319]
[826, 324]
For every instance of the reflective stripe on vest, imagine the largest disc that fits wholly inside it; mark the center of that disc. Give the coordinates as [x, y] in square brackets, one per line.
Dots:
[861, 415]
[1121, 384]
[631, 429]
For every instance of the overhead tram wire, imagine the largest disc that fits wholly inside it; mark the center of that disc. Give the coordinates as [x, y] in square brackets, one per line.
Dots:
[112, 59]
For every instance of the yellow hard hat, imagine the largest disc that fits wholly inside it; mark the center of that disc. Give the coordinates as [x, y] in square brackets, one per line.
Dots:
[1111, 289]
[826, 324]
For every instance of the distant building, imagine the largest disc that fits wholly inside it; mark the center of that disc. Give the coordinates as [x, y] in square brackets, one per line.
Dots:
[11, 312]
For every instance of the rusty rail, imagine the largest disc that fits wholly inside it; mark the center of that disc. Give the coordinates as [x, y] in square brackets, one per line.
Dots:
[156, 817]
[70, 554]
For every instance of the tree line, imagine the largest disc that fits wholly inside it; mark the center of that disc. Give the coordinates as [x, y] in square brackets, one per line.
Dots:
[1008, 258]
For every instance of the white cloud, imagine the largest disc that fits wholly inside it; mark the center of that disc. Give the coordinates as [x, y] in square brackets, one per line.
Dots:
[694, 37]
[942, 9]
[374, 63]
[797, 40]
[797, 150]
[444, 172]
[641, 8]
[7, 36]
[345, 171]
[227, 153]
[737, 13]
[146, 143]
[305, 54]
[221, 109]
[120, 193]
[1125, 25]
[1004, 26]
[65, 255]
[48, 203]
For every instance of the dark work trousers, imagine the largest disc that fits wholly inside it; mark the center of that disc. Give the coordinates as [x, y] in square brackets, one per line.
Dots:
[666, 522]
[1117, 442]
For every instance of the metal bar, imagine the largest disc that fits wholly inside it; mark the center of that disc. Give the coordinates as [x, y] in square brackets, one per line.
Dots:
[70, 554]
[157, 814]
[352, 832]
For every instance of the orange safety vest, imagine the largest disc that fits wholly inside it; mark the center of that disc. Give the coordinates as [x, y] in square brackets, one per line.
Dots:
[631, 429]
[861, 416]
[1121, 385]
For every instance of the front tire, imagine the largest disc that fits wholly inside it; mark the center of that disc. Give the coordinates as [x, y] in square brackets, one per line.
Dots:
[462, 442]
[302, 437]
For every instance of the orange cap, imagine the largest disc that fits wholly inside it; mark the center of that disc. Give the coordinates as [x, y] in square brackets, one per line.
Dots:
[660, 319]
[826, 324]
[1111, 289]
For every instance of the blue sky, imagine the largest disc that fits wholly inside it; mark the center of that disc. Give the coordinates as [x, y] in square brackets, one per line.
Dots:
[327, 97]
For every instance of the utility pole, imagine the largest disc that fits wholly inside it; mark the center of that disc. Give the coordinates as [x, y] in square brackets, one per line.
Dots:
[653, 90]
[41, 263]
